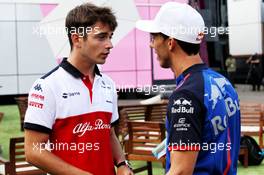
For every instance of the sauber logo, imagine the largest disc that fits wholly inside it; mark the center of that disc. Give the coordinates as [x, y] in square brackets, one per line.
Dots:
[108, 101]
[182, 106]
[82, 128]
[70, 94]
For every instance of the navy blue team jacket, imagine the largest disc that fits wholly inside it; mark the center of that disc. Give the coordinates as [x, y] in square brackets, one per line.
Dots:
[203, 115]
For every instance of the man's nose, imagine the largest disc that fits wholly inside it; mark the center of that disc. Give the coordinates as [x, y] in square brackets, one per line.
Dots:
[109, 44]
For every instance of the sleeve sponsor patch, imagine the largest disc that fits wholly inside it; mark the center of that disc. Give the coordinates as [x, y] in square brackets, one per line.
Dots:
[183, 106]
[185, 118]
[35, 104]
[37, 96]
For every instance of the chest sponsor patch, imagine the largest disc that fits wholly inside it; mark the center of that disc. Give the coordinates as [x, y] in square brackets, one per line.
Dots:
[81, 128]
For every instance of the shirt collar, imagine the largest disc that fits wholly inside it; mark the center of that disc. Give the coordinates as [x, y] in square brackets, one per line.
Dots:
[74, 71]
[193, 68]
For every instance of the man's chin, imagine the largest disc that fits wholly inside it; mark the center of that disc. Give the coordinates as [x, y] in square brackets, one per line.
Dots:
[163, 63]
[101, 61]
[165, 66]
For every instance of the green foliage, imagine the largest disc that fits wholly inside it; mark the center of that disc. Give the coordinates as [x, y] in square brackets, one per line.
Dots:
[9, 127]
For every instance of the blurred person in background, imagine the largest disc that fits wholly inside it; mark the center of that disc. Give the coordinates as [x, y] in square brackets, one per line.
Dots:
[231, 68]
[255, 71]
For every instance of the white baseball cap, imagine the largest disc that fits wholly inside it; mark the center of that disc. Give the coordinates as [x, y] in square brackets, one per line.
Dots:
[177, 20]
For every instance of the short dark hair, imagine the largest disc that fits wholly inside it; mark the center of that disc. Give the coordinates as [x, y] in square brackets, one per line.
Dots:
[86, 15]
[188, 48]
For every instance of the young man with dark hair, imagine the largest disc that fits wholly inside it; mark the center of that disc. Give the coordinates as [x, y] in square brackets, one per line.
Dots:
[74, 107]
[203, 116]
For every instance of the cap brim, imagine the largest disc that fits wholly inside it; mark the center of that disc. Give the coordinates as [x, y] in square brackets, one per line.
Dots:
[147, 26]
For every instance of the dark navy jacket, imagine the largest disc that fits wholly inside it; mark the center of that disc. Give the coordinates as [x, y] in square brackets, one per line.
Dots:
[203, 115]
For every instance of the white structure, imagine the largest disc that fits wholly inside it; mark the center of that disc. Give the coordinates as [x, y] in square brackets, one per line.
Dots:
[24, 55]
[246, 26]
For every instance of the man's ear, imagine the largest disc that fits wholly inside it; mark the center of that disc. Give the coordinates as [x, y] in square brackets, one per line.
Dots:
[75, 40]
[172, 44]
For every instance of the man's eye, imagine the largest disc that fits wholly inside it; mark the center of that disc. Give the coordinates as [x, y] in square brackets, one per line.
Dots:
[101, 37]
[104, 37]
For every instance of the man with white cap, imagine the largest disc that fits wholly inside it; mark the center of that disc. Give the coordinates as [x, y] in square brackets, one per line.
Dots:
[203, 117]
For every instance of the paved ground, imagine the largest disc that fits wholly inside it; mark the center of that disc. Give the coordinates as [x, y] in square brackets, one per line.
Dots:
[247, 95]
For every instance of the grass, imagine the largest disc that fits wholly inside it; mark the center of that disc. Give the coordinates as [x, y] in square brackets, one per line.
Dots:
[10, 127]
